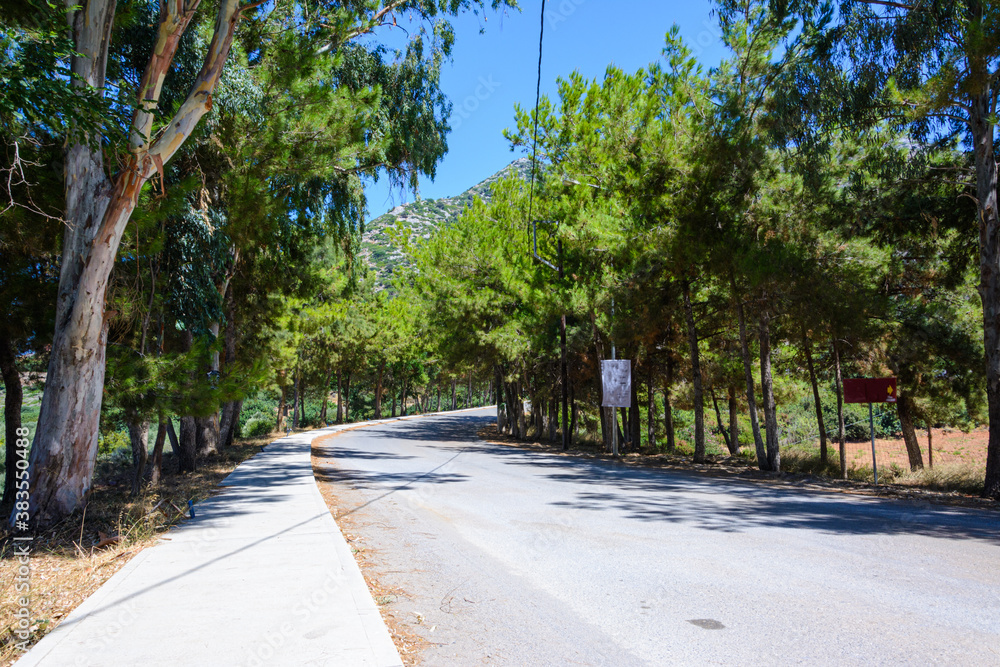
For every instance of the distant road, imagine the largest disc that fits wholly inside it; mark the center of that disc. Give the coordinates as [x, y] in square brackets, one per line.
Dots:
[512, 557]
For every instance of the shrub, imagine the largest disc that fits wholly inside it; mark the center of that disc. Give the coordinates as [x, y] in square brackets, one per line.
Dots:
[109, 442]
[257, 427]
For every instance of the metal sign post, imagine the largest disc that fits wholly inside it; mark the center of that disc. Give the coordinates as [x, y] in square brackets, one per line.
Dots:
[870, 390]
[616, 381]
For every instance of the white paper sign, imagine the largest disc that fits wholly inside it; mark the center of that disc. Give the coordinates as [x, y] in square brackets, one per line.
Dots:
[616, 378]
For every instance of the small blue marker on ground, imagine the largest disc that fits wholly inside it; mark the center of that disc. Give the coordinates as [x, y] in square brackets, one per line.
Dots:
[191, 508]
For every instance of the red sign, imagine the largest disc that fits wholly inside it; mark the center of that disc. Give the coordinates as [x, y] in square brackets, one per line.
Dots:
[870, 390]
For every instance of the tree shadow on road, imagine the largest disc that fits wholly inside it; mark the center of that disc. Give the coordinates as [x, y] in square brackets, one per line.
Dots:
[734, 506]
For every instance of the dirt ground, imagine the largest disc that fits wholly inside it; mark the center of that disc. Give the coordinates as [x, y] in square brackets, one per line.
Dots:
[950, 446]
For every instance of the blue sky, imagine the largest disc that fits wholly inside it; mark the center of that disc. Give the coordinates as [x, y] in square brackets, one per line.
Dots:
[491, 72]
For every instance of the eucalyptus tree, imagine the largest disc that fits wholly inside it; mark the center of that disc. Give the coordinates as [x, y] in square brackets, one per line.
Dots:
[101, 197]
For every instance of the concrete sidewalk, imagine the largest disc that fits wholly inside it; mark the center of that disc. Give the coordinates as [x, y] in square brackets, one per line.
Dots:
[261, 576]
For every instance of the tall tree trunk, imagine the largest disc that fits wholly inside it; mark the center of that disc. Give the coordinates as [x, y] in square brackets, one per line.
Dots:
[13, 399]
[734, 422]
[454, 394]
[175, 445]
[522, 428]
[726, 437]
[347, 397]
[230, 423]
[807, 346]
[157, 472]
[402, 398]
[281, 409]
[930, 445]
[326, 398]
[905, 409]
[773, 461]
[650, 409]
[572, 413]
[206, 435]
[210, 428]
[437, 407]
[981, 125]
[97, 210]
[138, 435]
[187, 452]
[634, 422]
[295, 402]
[553, 419]
[302, 403]
[748, 373]
[378, 391]
[699, 398]
[668, 408]
[841, 435]
[340, 400]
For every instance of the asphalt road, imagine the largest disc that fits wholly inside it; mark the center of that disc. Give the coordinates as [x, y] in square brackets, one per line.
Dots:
[512, 557]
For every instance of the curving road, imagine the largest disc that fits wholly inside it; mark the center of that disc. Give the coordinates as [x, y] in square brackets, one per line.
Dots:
[512, 557]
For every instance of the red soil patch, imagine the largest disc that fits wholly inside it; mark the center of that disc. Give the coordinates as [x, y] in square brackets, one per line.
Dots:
[950, 447]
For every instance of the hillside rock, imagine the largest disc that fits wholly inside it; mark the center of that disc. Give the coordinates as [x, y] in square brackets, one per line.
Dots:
[423, 217]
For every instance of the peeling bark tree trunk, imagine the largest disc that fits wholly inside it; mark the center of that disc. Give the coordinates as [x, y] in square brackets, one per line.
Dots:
[13, 399]
[138, 435]
[807, 346]
[699, 397]
[773, 461]
[905, 410]
[97, 210]
[840, 410]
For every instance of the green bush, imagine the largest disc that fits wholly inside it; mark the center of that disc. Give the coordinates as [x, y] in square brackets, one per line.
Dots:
[257, 427]
[111, 441]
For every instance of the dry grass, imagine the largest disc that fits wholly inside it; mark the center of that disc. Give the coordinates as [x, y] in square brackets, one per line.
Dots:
[67, 566]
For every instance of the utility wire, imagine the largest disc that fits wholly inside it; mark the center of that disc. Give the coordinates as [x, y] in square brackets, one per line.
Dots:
[538, 97]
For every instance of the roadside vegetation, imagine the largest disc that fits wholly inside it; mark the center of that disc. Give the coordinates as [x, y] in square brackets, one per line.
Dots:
[187, 269]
